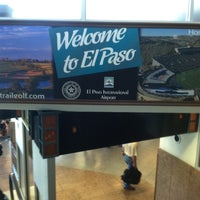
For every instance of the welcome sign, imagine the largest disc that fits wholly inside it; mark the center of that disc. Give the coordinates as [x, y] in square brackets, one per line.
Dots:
[64, 62]
[80, 51]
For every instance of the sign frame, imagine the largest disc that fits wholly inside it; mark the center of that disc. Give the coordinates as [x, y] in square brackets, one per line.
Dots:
[37, 104]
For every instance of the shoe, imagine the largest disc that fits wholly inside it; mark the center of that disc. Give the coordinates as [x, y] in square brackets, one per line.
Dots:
[129, 188]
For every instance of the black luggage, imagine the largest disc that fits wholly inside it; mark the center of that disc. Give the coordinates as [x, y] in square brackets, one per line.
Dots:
[131, 176]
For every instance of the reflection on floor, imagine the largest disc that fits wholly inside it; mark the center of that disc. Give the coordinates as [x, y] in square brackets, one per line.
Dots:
[95, 174]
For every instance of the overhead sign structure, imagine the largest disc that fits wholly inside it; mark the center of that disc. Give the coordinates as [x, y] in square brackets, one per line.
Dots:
[65, 62]
[58, 133]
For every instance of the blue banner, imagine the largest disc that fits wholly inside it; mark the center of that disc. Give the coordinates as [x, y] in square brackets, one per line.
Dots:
[80, 51]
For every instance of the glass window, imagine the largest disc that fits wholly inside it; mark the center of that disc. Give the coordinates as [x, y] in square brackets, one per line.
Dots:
[101, 10]
[195, 9]
[43, 9]
[137, 10]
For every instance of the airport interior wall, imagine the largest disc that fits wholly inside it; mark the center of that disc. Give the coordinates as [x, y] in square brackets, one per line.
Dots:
[175, 179]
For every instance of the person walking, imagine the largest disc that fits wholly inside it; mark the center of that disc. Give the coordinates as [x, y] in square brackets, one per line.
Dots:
[129, 152]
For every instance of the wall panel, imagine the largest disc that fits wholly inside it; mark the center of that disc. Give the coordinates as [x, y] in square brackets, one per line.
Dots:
[175, 179]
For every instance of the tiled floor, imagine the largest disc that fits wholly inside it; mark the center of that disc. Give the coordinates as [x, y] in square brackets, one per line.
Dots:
[75, 184]
[95, 174]
[5, 166]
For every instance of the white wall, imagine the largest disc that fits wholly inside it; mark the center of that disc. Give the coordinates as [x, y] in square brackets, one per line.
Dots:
[187, 149]
[44, 175]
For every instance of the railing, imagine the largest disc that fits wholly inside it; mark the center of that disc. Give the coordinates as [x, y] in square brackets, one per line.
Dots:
[14, 185]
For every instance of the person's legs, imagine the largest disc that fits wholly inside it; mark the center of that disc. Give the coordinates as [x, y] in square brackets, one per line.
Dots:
[129, 162]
